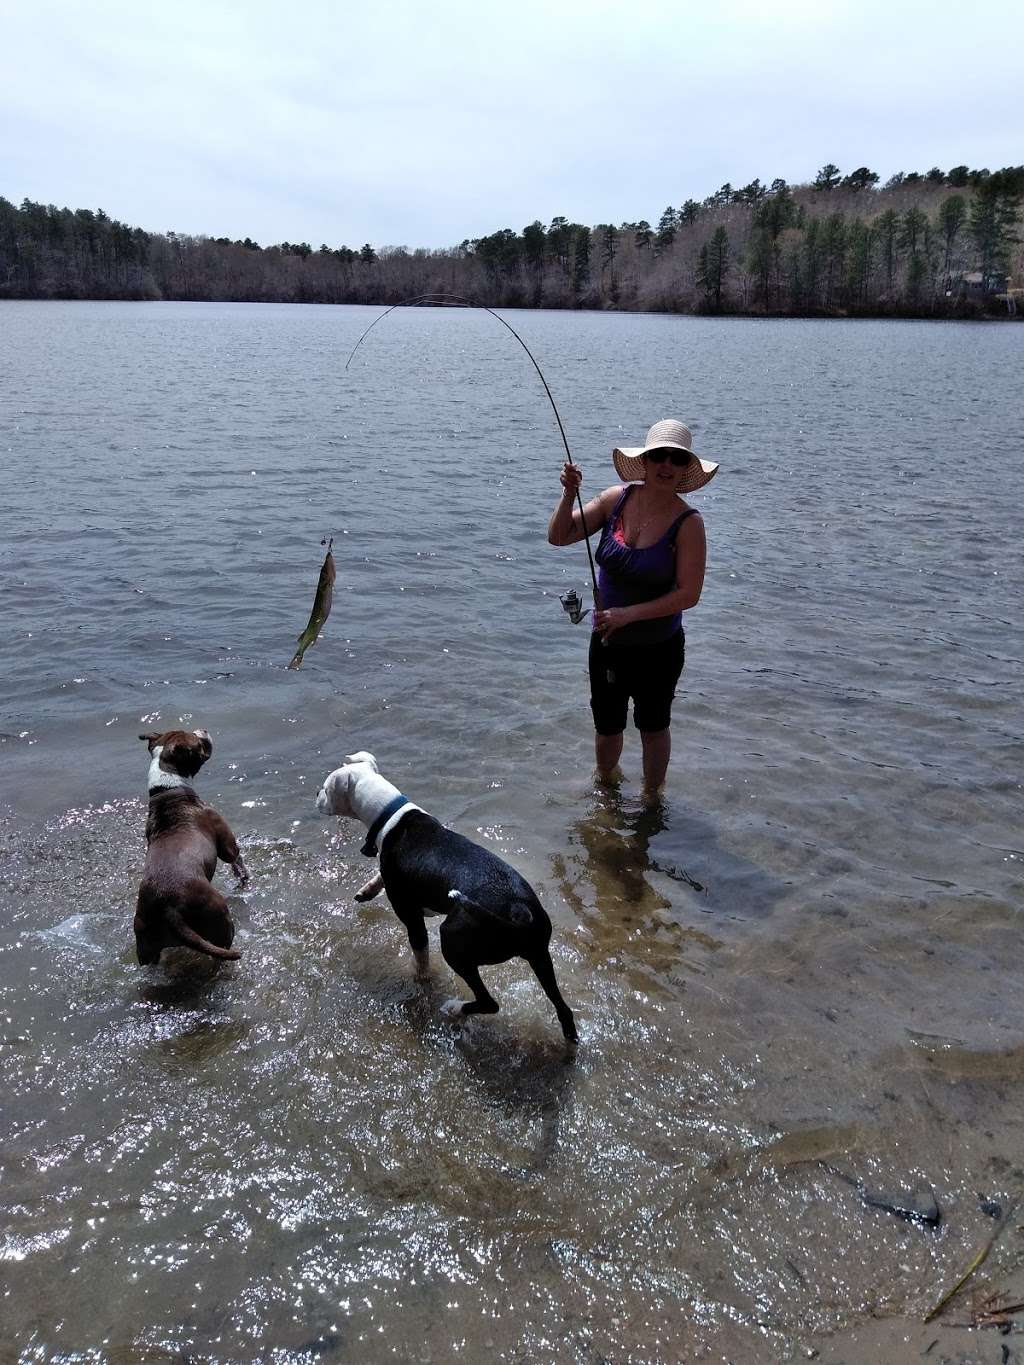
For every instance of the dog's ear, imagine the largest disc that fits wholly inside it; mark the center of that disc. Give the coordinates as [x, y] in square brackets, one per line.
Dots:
[363, 757]
[336, 789]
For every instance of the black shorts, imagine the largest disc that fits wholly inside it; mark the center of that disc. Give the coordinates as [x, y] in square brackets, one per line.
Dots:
[647, 673]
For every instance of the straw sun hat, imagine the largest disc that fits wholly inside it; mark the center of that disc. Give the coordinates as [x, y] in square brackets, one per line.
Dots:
[667, 435]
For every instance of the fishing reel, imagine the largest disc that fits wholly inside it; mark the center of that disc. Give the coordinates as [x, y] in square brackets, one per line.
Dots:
[572, 605]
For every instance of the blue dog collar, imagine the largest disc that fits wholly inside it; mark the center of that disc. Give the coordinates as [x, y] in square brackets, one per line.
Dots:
[369, 849]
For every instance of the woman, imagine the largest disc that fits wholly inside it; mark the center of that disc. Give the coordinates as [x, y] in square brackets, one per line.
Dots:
[651, 561]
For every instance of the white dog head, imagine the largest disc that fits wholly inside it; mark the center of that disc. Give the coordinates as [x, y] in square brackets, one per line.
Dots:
[335, 796]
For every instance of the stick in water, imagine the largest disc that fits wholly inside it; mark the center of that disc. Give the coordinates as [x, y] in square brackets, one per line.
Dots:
[321, 606]
[976, 1261]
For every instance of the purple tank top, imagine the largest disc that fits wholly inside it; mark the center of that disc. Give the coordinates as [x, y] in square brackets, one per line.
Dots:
[628, 576]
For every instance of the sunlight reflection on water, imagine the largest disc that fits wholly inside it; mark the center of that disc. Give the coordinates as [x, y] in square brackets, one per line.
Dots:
[295, 1154]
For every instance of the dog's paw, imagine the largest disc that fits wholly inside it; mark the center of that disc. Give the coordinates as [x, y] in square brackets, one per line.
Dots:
[452, 1009]
[370, 889]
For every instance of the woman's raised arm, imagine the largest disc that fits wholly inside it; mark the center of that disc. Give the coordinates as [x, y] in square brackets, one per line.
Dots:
[566, 524]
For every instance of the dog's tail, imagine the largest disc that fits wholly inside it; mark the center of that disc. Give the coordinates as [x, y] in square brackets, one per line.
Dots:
[514, 916]
[191, 939]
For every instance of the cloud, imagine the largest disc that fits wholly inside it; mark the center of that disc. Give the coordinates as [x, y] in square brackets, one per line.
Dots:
[402, 122]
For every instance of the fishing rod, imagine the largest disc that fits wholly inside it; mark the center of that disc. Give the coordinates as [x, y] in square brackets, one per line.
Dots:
[570, 600]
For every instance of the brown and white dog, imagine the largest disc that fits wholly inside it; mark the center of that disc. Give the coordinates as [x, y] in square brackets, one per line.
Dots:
[177, 907]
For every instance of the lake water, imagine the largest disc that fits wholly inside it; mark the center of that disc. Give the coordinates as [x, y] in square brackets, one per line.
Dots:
[797, 981]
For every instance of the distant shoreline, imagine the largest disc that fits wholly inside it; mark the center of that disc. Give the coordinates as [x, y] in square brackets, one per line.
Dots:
[724, 314]
[943, 245]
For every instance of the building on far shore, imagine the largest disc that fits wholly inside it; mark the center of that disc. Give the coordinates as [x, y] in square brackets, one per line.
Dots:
[976, 283]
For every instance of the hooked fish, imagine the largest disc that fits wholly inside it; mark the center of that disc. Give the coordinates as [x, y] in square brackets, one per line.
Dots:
[321, 606]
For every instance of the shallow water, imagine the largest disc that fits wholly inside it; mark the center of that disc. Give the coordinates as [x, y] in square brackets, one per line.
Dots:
[797, 980]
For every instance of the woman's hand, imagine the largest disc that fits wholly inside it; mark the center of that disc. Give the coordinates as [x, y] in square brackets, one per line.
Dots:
[606, 623]
[570, 478]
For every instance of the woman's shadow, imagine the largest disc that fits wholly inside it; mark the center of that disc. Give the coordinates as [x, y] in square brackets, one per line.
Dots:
[637, 874]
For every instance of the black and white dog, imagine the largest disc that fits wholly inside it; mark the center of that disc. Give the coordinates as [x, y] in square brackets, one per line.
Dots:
[491, 913]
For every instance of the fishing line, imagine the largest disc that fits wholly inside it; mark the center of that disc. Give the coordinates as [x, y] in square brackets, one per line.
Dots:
[570, 600]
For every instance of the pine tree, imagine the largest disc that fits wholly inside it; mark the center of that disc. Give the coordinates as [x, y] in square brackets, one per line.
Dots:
[535, 245]
[993, 218]
[559, 239]
[771, 217]
[916, 272]
[761, 264]
[580, 259]
[952, 216]
[812, 254]
[860, 179]
[750, 194]
[713, 266]
[667, 224]
[861, 242]
[912, 230]
[609, 239]
[887, 227]
[833, 250]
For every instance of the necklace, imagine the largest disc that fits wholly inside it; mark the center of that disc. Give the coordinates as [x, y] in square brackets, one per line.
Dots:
[637, 531]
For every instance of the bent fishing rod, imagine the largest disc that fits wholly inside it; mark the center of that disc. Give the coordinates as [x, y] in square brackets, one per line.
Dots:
[570, 601]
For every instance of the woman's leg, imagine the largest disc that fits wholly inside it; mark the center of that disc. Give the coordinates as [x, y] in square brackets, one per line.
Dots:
[609, 702]
[607, 751]
[657, 746]
[652, 710]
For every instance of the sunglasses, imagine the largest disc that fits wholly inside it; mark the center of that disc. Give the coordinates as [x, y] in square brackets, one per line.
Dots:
[679, 458]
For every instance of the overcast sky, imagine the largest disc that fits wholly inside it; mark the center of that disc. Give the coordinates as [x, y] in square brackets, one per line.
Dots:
[421, 124]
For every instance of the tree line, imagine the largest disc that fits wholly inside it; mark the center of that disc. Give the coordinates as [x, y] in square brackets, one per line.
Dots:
[938, 243]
